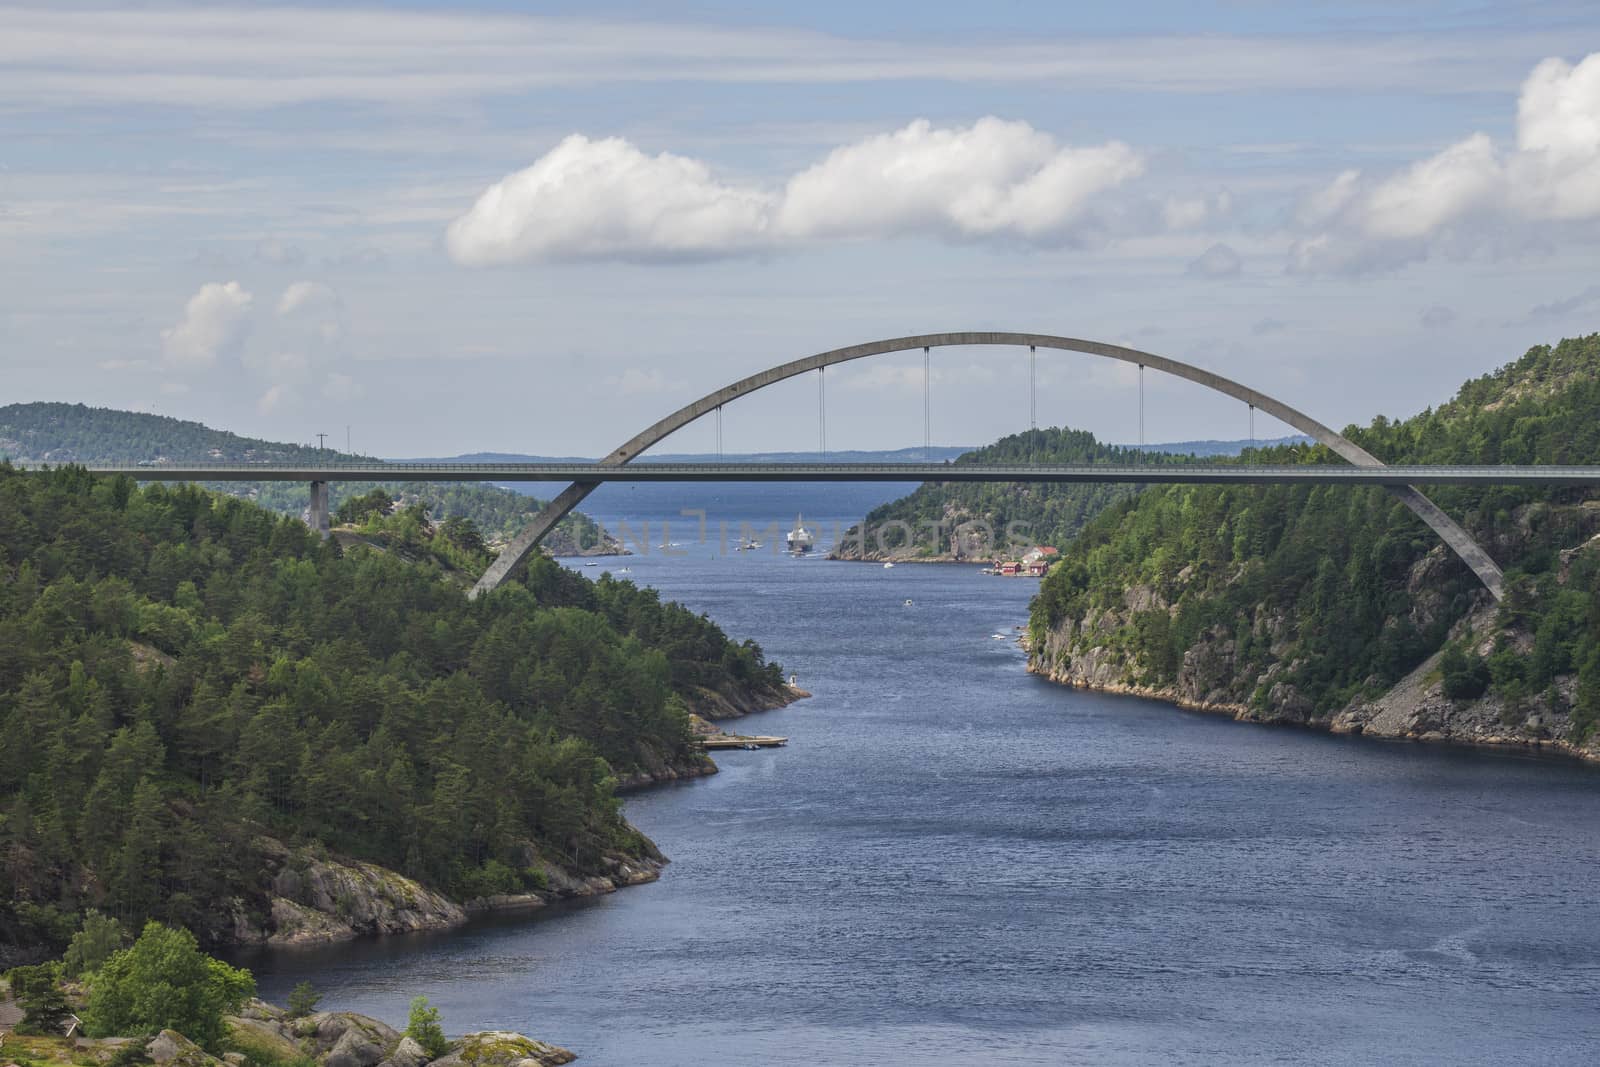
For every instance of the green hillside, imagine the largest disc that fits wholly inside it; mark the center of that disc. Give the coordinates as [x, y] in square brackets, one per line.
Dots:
[1300, 603]
[189, 683]
[936, 512]
[72, 433]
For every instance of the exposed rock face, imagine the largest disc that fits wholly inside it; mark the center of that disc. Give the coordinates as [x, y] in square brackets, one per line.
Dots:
[171, 1049]
[407, 1054]
[346, 1039]
[317, 899]
[1092, 653]
[500, 1048]
[270, 1037]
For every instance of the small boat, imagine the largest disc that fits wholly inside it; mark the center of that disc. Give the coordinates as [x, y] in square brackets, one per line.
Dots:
[591, 563]
[625, 570]
[908, 603]
[888, 566]
[998, 637]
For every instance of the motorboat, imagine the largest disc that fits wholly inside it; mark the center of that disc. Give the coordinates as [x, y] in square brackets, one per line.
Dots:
[888, 566]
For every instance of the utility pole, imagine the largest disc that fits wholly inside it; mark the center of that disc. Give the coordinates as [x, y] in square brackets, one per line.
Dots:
[322, 442]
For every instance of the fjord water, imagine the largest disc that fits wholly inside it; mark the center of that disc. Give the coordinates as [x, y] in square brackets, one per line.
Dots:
[953, 861]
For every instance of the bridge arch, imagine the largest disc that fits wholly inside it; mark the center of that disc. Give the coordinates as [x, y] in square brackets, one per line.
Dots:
[1447, 528]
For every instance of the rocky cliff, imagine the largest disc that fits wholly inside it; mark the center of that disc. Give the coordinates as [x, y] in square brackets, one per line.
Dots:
[1095, 652]
[316, 897]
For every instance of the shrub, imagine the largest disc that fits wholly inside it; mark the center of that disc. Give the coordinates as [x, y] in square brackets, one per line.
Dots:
[423, 1028]
[165, 982]
[303, 1000]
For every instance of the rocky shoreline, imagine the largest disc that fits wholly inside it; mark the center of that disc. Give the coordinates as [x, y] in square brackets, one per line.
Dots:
[1414, 709]
[346, 1039]
[316, 898]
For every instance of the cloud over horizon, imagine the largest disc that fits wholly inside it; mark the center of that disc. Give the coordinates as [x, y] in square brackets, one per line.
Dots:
[1472, 194]
[606, 199]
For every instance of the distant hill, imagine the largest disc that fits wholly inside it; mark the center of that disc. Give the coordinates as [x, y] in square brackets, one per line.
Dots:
[58, 433]
[936, 512]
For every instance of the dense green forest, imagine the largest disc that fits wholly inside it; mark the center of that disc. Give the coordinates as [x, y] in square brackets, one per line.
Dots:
[73, 433]
[184, 675]
[1324, 595]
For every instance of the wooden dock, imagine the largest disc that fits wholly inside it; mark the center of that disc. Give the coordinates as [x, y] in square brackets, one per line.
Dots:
[732, 741]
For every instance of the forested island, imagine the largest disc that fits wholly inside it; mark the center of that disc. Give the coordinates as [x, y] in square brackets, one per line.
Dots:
[1336, 607]
[956, 522]
[214, 719]
[57, 433]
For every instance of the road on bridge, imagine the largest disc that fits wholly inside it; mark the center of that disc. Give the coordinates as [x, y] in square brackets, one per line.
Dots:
[1163, 473]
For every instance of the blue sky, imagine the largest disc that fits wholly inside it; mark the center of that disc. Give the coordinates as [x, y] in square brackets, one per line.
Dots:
[537, 228]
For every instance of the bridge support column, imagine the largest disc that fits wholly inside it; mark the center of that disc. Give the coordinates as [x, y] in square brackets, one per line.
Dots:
[319, 509]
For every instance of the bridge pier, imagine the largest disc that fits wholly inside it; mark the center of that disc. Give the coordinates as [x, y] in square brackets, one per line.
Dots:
[319, 509]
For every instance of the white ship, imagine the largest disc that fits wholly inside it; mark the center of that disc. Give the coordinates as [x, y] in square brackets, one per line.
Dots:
[799, 539]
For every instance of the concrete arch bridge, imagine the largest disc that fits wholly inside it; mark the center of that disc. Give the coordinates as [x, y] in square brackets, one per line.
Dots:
[1447, 528]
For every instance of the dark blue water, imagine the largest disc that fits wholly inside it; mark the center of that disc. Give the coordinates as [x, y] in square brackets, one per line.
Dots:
[955, 862]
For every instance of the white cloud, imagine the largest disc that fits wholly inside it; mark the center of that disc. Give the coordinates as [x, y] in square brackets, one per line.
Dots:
[1465, 177]
[1556, 171]
[214, 320]
[1218, 261]
[1471, 194]
[605, 199]
[991, 178]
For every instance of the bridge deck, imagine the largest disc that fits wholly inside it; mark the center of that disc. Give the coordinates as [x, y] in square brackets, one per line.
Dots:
[863, 472]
